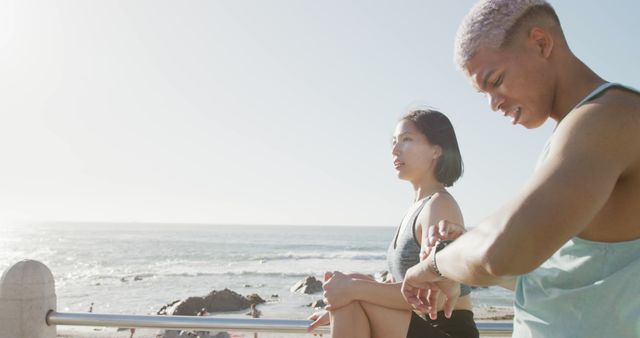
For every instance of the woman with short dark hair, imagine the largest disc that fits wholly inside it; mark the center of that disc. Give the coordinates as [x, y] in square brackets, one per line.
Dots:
[426, 154]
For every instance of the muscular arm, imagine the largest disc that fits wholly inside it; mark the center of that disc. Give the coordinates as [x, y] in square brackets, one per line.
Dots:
[589, 153]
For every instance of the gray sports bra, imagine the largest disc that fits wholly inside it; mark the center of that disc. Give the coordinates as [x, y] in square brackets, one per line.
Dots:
[404, 250]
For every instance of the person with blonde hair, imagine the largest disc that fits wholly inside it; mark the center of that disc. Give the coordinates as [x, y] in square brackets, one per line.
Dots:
[569, 242]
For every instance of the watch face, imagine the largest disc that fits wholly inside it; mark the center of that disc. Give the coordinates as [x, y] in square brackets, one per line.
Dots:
[442, 244]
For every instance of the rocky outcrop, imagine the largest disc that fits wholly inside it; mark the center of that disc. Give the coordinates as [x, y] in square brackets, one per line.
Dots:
[308, 286]
[164, 308]
[225, 300]
[216, 301]
[187, 307]
[254, 298]
[317, 304]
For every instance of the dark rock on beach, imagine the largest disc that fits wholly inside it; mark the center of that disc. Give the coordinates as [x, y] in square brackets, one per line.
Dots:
[308, 286]
[225, 300]
[187, 307]
[163, 309]
[317, 304]
[216, 301]
[254, 298]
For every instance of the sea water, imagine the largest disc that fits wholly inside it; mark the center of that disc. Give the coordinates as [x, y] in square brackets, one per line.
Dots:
[137, 268]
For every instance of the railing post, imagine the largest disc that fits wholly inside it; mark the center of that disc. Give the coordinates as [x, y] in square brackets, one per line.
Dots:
[27, 294]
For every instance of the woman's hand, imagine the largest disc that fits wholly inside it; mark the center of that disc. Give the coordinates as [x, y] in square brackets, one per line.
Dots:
[360, 276]
[338, 290]
[443, 231]
[319, 318]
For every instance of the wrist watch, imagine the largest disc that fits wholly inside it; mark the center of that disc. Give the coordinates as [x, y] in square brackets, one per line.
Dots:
[434, 265]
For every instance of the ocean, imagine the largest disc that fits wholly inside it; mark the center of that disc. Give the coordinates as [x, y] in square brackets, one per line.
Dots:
[138, 268]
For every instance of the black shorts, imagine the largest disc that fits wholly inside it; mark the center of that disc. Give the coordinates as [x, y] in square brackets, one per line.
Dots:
[460, 325]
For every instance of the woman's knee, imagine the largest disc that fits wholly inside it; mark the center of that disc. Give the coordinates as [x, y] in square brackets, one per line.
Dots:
[386, 322]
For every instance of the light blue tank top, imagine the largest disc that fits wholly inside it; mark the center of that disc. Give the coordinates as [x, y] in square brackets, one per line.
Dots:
[586, 289]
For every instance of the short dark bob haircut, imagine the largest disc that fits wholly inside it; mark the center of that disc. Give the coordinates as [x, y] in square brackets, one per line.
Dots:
[439, 131]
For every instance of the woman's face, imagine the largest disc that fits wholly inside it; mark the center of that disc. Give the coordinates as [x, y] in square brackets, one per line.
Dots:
[413, 156]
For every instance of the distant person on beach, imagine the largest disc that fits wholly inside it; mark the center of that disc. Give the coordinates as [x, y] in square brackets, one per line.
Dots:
[572, 235]
[426, 154]
[254, 312]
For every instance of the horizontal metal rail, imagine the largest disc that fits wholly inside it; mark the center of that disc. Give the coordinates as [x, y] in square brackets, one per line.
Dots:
[207, 323]
[204, 323]
[182, 322]
[495, 328]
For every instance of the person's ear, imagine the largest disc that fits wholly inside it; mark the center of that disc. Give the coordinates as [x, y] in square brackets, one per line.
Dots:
[542, 41]
[437, 152]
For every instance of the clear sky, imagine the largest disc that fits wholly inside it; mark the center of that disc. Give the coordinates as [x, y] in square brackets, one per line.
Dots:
[260, 112]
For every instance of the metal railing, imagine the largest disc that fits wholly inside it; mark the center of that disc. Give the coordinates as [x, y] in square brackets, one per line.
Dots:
[215, 323]
[182, 322]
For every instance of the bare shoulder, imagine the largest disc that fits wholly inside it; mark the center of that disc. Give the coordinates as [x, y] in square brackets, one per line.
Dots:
[444, 199]
[442, 206]
[615, 109]
[608, 128]
[622, 98]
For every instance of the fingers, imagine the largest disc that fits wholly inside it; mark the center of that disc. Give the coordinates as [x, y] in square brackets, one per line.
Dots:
[407, 290]
[426, 250]
[452, 292]
[449, 230]
[449, 305]
[443, 229]
[313, 325]
[432, 300]
[423, 305]
[327, 275]
[432, 236]
[411, 296]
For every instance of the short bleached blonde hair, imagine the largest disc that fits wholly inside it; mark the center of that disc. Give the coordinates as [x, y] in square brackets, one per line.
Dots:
[490, 23]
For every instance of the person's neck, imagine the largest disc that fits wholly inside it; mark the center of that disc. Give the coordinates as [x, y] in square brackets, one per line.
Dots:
[426, 188]
[575, 81]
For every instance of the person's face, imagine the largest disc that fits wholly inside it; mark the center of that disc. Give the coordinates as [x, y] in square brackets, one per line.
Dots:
[413, 156]
[517, 81]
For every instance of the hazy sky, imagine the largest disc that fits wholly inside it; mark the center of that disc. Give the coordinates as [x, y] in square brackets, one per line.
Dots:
[261, 112]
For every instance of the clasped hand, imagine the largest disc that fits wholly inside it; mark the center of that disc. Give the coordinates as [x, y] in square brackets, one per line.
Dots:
[337, 294]
[338, 290]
